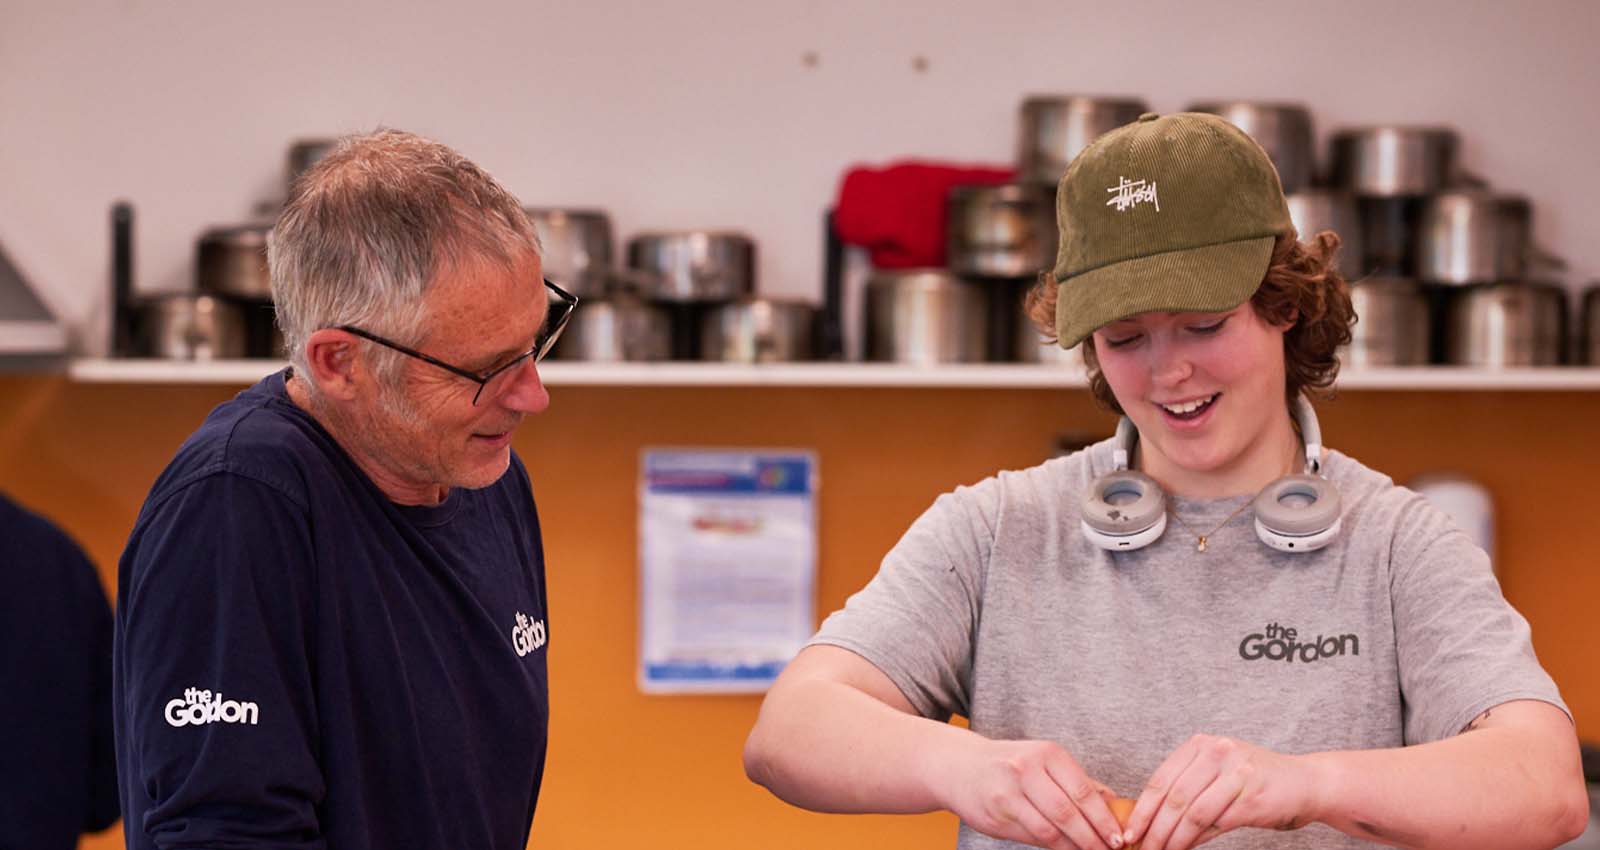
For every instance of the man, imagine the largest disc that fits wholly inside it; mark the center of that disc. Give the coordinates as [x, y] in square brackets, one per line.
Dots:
[58, 775]
[331, 621]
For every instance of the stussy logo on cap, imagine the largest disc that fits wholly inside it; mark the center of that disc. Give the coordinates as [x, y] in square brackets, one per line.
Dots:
[1131, 193]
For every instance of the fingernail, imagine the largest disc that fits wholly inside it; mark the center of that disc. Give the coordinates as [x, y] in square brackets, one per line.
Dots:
[1116, 842]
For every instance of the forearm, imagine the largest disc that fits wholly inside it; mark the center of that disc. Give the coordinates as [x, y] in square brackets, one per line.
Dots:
[1501, 787]
[828, 746]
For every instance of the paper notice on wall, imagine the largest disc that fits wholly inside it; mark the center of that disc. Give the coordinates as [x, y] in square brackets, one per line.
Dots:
[727, 567]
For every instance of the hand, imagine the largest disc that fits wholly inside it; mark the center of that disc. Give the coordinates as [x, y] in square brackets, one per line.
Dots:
[1212, 785]
[1029, 791]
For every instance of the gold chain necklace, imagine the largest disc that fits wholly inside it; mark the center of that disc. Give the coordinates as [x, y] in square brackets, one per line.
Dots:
[1200, 539]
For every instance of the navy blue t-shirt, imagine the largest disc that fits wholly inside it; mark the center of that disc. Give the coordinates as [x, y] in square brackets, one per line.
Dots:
[57, 770]
[301, 663]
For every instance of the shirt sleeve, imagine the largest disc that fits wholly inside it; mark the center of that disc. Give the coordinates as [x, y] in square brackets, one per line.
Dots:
[215, 644]
[1462, 648]
[915, 620]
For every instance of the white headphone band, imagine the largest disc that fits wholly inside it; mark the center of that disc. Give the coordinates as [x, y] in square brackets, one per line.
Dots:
[1297, 513]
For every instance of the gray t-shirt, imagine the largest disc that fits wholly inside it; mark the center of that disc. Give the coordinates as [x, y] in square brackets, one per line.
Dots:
[994, 606]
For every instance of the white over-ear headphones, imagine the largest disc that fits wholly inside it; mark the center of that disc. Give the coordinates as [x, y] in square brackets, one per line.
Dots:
[1126, 510]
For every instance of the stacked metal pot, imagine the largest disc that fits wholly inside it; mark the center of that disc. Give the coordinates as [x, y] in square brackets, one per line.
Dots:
[684, 295]
[1445, 256]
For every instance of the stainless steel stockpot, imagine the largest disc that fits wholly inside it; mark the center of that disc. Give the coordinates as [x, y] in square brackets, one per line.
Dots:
[758, 330]
[925, 316]
[1055, 128]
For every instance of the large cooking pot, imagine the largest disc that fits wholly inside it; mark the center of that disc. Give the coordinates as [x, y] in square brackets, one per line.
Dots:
[758, 330]
[1316, 210]
[186, 326]
[1393, 326]
[1001, 231]
[577, 248]
[232, 261]
[1394, 161]
[618, 327]
[1282, 129]
[924, 316]
[1590, 334]
[696, 265]
[1506, 324]
[1056, 127]
[1475, 236]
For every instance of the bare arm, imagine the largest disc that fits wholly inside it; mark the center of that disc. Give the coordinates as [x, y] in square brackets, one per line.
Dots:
[1511, 779]
[836, 735]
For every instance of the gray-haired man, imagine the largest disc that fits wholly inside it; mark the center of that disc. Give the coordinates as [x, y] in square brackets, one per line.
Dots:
[331, 622]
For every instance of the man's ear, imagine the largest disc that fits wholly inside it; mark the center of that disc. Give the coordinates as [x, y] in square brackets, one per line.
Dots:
[332, 357]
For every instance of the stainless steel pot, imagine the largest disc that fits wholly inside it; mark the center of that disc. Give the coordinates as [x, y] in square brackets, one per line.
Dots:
[924, 316]
[616, 328]
[1475, 236]
[696, 265]
[185, 326]
[758, 330]
[1001, 231]
[1590, 352]
[1282, 129]
[1393, 328]
[1056, 127]
[1316, 210]
[1506, 324]
[233, 261]
[577, 248]
[1394, 161]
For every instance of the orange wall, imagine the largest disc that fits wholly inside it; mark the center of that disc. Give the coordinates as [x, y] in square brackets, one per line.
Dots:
[625, 768]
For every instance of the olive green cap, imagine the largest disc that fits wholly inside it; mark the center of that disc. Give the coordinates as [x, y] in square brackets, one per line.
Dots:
[1173, 214]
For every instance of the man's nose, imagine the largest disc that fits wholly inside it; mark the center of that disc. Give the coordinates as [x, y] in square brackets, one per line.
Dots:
[526, 393]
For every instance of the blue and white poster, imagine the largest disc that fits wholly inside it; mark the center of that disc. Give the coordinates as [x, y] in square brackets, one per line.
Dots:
[727, 567]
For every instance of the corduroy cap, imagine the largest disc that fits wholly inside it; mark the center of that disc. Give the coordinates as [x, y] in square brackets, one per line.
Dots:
[1173, 214]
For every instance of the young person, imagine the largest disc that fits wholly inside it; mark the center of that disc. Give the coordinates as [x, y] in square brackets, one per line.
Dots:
[1305, 647]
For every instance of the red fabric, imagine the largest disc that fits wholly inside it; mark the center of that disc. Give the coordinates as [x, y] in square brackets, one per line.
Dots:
[898, 213]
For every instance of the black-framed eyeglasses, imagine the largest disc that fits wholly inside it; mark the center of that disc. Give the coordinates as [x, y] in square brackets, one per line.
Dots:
[562, 303]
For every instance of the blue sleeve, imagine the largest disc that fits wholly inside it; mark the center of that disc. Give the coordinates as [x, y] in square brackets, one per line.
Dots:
[216, 634]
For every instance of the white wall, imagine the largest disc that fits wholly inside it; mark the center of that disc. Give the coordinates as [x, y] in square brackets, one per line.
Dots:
[703, 113]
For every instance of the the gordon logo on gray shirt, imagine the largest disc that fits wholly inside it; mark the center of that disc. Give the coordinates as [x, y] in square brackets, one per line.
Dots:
[1280, 643]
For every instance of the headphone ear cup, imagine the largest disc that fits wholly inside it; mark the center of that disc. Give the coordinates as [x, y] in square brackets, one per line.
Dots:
[1124, 510]
[1297, 513]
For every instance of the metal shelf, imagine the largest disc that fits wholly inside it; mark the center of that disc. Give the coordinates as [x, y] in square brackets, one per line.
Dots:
[974, 376]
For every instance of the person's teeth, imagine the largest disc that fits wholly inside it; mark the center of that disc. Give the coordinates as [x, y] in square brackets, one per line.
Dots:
[1189, 407]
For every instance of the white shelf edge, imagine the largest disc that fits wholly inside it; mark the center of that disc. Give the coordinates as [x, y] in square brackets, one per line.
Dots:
[971, 376]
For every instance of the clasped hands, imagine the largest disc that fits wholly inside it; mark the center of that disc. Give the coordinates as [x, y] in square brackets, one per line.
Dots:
[1036, 793]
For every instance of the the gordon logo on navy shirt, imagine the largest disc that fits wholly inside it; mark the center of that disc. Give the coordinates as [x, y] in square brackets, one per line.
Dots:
[527, 635]
[198, 707]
